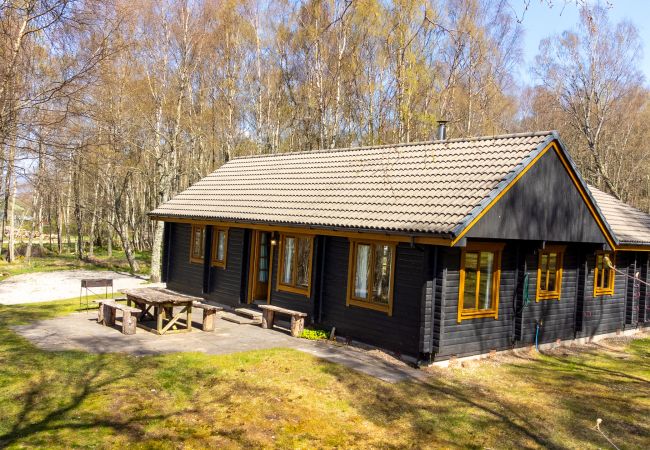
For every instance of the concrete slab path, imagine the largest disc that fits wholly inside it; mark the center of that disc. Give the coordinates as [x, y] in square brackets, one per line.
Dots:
[80, 331]
[47, 286]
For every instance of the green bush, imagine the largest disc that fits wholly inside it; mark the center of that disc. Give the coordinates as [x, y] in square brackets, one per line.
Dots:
[315, 334]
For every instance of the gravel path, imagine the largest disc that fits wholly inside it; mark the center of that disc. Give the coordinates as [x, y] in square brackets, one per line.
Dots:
[47, 286]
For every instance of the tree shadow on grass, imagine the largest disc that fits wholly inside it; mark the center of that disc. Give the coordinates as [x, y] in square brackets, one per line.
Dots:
[37, 416]
[442, 413]
[461, 409]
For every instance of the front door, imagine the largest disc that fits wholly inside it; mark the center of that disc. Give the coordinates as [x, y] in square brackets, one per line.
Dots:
[260, 266]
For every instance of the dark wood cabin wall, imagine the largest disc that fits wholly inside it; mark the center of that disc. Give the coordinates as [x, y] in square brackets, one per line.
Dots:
[291, 300]
[427, 304]
[481, 335]
[183, 276]
[399, 332]
[603, 314]
[556, 317]
[632, 291]
[165, 251]
[440, 296]
[644, 300]
[544, 205]
[225, 283]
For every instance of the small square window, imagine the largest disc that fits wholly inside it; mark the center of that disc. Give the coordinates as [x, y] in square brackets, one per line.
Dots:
[480, 277]
[549, 273]
[604, 275]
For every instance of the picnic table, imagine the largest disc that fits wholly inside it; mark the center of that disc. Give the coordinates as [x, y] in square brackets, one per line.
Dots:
[157, 308]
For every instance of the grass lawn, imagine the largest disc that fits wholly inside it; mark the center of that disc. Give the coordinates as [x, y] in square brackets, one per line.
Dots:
[69, 261]
[287, 399]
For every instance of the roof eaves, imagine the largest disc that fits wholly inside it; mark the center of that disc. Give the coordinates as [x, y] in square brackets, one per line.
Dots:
[165, 215]
[503, 184]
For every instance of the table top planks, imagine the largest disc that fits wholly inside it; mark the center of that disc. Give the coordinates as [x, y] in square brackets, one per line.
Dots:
[160, 296]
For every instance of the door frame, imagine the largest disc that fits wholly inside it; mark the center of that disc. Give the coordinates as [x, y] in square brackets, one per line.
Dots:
[253, 257]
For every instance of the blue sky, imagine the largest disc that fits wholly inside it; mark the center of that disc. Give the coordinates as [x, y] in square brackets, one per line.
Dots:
[541, 20]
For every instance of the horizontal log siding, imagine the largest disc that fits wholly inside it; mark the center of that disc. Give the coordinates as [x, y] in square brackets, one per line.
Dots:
[225, 283]
[427, 304]
[603, 314]
[632, 294]
[290, 300]
[400, 332]
[481, 335]
[557, 317]
[644, 301]
[440, 295]
[183, 276]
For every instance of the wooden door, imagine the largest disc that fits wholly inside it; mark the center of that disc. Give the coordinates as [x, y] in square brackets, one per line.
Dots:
[260, 265]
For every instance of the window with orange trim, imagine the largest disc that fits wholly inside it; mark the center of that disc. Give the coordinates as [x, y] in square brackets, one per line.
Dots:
[604, 275]
[219, 246]
[480, 277]
[549, 273]
[197, 244]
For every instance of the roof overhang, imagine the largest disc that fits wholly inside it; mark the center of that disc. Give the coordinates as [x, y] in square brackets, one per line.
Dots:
[355, 233]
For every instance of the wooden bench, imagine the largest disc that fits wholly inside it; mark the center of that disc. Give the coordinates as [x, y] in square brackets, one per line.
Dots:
[209, 313]
[297, 318]
[107, 311]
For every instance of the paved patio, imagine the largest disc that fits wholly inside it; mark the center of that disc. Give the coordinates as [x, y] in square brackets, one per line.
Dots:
[80, 331]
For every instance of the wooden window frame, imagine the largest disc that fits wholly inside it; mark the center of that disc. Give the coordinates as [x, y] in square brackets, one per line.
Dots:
[609, 290]
[280, 286]
[215, 242]
[543, 293]
[351, 300]
[497, 249]
[194, 259]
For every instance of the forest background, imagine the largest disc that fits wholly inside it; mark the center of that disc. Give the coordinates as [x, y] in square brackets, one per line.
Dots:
[109, 108]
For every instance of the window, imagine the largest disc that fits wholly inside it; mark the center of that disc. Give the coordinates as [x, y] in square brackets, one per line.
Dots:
[295, 260]
[219, 246]
[549, 273]
[604, 274]
[370, 275]
[480, 274]
[197, 244]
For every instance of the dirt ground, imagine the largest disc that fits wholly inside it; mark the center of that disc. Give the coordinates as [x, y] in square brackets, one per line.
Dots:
[47, 286]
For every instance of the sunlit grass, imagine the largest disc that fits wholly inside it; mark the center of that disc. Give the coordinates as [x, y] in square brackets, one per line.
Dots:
[67, 260]
[287, 399]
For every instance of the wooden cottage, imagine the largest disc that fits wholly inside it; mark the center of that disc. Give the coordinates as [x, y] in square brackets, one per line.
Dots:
[436, 249]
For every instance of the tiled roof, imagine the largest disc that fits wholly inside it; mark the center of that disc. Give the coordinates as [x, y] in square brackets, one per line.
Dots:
[425, 187]
[630, 225]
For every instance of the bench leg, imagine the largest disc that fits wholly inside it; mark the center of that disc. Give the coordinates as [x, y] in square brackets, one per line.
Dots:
[100, 313]
[297, 326]
[208, 320]
[267, 319]
[129, 322]
[109, 315]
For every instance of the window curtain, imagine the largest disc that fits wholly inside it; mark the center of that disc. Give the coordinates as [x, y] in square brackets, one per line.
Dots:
[263, 276]
[221, 241]
[361, 271]
[289, 250]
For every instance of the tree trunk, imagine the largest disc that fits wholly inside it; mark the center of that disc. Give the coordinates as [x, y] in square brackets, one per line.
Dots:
[11, 200]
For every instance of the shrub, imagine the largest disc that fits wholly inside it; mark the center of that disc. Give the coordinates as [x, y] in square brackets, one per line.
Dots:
[314, 334]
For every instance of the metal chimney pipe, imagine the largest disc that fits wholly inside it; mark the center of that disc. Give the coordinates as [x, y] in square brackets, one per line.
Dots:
[442, 130]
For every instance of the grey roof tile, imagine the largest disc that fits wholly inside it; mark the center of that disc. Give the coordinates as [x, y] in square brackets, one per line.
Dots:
[427, 187]
[630, 225]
